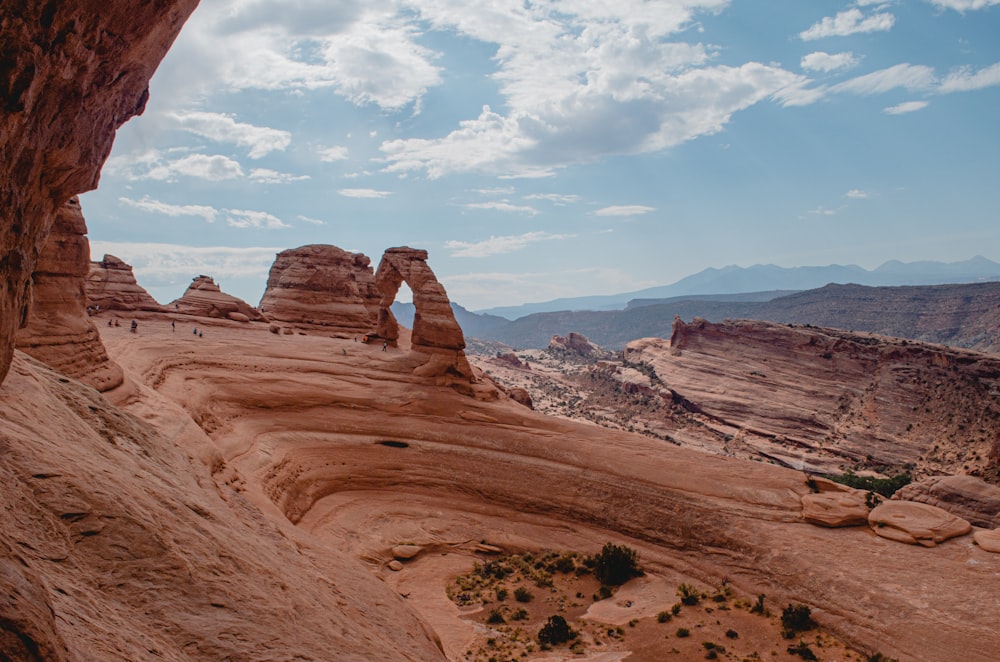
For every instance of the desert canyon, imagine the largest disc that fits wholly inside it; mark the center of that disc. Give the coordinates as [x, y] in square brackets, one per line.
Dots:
[310, 480]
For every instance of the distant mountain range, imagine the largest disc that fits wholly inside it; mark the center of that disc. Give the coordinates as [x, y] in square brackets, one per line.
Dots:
[768, 278]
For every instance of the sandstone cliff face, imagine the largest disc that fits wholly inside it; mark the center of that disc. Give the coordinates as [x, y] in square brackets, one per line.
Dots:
[205, 299]
[111, 285]
[59, 331]
[821, 398]
[324, 289]
[70, 75]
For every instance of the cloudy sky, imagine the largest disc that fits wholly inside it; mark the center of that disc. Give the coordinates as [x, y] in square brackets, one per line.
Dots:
[549, 148]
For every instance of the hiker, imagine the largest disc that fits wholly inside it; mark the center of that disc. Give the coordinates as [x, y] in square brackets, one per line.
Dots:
[385, 343]
[194, 330]
[135, 326]
[111, 322]
[173, 325]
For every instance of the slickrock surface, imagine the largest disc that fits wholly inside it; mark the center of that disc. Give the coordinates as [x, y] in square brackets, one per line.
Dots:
[965, 496]
[365, 456]
[204, 299]
[111, 285]
[819, 399]
[72, 74]
[322, 289]
[916, 523]
[59, 331]
[435, 331]
[835, 509]
[989, 541]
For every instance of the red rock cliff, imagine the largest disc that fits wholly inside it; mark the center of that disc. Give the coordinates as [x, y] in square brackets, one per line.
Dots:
[71, 73]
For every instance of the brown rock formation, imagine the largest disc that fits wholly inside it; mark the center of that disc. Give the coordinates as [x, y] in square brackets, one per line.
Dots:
[575, 343]
[59, 331]
[916, 523]
[322, 288]
[111, 285]
[435, 330]
[965, 496]
[835, 509]
[70, 75]
[989, 541]
[828, 399]
[204, 299]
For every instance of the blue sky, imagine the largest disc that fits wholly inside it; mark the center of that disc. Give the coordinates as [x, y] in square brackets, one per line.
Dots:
[553, 148]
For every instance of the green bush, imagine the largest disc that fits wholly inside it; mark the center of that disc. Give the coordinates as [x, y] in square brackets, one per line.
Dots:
[496, 617]
[683, 632]
[689, 595]
[758, 607]
[663, 617]
[555, 631]
[616, 564]
[885, 487]
[802, 650]
[522, 594]
[797, 618]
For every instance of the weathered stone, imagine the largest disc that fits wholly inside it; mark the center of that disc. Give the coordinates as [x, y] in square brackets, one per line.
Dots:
[111, 285]
[204, 299]
[322, 289]
[835, 509]
[575, 343]
[406, 552]
[988, 541]
[59, 331]
[965, 496]
[72, 73]
[521, 396]
[394, 565]
[916, 523]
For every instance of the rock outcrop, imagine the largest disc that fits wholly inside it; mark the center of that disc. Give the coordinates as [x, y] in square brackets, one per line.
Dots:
[322, 289]
[825, 400]
[59, 331]
[435, 330]
[965, 496]
[70, 75]
[575, 343]
[111, 285]
[204, 299]
[916, 523]
[835, 509]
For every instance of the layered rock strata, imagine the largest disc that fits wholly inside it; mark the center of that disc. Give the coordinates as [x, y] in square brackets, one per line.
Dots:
[111, 285]
[965, 496]
[59, 331]
[916, 523]
[322, 288]
[70, 75]
[204, 298]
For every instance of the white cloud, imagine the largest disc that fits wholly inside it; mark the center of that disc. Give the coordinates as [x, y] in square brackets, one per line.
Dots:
[851, 21]
[489, 289]
[822, 211]
[499, 245]
[907, 76]
[965, 80]
[268, 176]
[309, 219]
[153, 164]
[555, 198]
[505, 206]
[856, 194]
[260, 140]
[822, 61]
[964, 5]
[624, 210]
[157, 207]
[245, 218]
[334, 153]
[906, 107]
[506, 190]
[363, 193]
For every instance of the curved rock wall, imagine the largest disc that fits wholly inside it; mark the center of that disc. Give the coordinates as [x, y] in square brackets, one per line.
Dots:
[322, 288]
[59, 331]
[71, 73]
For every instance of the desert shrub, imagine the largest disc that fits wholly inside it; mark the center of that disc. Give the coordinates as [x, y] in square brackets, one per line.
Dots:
[797, 618]
[689, 595]
[732, 634]
[519, 615]
[616, 564]
[802, 650]
[603, 593]
[522, 594]
[878, 657]
[663, 617]
[758, 607]
[501, 594]
[885, 487]
[496, 617]
[676, 609]
[683, 632]
[555, 631]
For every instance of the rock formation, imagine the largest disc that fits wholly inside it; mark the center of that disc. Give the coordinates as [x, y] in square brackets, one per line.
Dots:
[205, 299]
[823, 399]
[59, 331]
[70, 75]
[324, 289]
[575, 343]
[916, 523]
[965, 496]
[435, 331]
[111, 285]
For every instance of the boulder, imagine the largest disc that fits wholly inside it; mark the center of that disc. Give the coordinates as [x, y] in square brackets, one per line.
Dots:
[835, 509]
[72, 74]
[205, 299]
[965, 496]
[59, 330]
[521, 396]
[111, 285]
[322, 289]
[406, 552]
[988, 541]
[916, 523]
